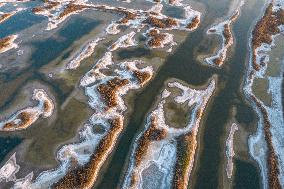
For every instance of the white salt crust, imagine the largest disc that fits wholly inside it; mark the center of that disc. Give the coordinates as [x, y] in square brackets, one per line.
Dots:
[163, 153]
[34, 112]
[257, 143]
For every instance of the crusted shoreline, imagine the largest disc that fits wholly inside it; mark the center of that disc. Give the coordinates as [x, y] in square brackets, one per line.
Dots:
[265, 145]
[171, 150]
[224, 29]
[26, 117]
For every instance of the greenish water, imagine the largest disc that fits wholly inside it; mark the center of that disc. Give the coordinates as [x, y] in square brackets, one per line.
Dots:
[20, 21]
[46, 51]
[182, 65]
[7, 144]
[246, 176]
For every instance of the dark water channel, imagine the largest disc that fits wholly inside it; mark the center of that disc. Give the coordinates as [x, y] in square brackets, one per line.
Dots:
[182, 65]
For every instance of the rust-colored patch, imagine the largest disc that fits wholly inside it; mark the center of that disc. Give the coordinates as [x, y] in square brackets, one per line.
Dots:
[153, 133]
[142, 76]
[84, 176]
[194, 23]
[264, 29]
[272, 160]
[161, 23]
[108, 90]
[186, 145]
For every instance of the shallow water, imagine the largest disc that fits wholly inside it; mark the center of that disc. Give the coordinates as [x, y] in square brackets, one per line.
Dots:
[182, 64]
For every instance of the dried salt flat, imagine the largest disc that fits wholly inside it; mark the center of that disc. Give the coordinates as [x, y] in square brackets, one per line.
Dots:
[26, 117]
[161, 153]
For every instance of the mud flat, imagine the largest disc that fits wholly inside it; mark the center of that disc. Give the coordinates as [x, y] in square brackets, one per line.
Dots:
[266, 146]
[168, 149]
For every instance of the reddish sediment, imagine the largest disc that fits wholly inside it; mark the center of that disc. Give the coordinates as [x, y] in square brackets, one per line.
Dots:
[46, 106]
[153, 133]
[85, 176]
[142, 76]
[160, 23]
[194, 23]
[5, 16]
[264, 29]
[5, 42]
[128, 16]
[49, 5]
[108, 91]
[272, 160]
[156, 38]
[70, 8]
[227, 34]
[218, 60]
[25, 118]
[186, 145]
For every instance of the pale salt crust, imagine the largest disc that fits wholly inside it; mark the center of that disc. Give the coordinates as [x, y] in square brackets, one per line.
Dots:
[81, 151]
[124, 41]
[8, 173]
[34, 112]
[219, 30]
[12, 44]
[9, 169]
[257, 143]
[84, 53]
[163, 153]
[128, 40]
[53, 14]
[174, 2]
[167, 42]
[230, 150]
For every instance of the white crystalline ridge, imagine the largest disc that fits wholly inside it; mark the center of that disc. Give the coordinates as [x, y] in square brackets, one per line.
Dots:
[84, 53]
[124, 41]
[163, 153]
[218, 29]
[230, 150]
[35, 112]
[81, 151]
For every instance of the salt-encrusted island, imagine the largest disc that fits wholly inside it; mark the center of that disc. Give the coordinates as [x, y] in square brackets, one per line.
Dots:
[119, 94]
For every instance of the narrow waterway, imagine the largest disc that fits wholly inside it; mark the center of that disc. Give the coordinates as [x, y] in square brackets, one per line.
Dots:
[182, 65]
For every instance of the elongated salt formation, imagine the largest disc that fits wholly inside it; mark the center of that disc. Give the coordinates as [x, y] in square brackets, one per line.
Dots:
[230, 150]
[163, 148]
[266, 146]
[224, 29]
[27, 116]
